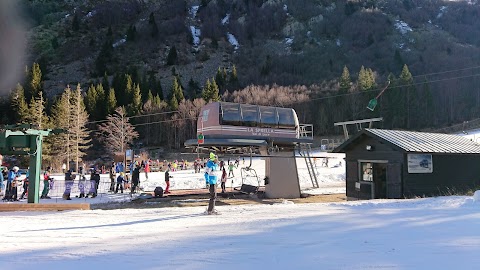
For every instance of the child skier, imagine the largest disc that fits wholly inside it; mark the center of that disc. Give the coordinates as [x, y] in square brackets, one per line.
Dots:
[120, 180]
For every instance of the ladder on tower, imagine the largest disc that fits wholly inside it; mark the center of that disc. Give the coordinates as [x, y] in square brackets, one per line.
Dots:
[305, 150]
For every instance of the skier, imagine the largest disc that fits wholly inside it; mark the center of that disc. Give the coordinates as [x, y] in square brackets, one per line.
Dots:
[81, 186]
[135, 178]
[69, 178]
[120, 180]
[211, 180]
[94, 182]
[230, 169]
[167, 181]
[224, 179]
[46, 184]
[147, 169]
[112, 177]
[25, 186]
[11, 191]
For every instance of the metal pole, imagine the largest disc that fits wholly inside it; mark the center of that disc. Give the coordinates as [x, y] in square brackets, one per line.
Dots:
[35, 166]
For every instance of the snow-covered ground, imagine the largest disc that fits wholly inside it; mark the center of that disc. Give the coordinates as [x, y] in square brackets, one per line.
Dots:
[431, 233]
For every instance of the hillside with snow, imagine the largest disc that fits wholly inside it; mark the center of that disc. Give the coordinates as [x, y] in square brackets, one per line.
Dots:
[382, 35]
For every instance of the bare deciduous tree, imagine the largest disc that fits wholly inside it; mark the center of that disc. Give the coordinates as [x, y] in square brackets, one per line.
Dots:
[117, 132]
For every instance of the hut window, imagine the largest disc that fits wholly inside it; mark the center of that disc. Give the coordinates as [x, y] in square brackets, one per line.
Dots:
[367, 171]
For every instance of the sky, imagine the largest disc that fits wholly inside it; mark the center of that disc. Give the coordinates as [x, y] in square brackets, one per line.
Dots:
[423, 233]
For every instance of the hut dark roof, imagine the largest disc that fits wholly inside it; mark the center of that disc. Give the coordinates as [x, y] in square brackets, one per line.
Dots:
[412, 141]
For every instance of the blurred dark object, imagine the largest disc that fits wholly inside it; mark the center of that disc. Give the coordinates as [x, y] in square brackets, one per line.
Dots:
[12, 46]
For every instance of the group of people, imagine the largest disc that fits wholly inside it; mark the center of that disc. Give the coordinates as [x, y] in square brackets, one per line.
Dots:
[12, 181]
[121, 182]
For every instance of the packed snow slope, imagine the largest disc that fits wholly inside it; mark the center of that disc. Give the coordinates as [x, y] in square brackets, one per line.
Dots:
[431, 233]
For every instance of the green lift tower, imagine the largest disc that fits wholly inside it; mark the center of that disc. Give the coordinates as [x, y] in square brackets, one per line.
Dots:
[26, 140]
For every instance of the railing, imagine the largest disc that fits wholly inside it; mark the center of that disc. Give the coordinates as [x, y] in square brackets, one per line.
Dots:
[57, 188]
[305, 131]
[330, 144]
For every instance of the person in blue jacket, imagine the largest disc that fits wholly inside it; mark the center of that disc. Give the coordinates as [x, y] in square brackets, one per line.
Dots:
[211, 178]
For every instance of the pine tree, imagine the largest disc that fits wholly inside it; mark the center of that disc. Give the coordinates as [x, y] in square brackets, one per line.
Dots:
[111, 102]
[150, 96]
[405, 77]
[193, 89]
[207, 91]
[220, 79]
[60, 143]
[172, 56]
[91, 100]
[233, 74]
[157, 101]
[55, 43]
[100, 102]
[173, 103]
[214, 91]
[117, 132]
[177, 89]
[345, 81]
[79, 118]
[76, 23]
[37, 115]
[363, 83]
[136, 105]
[129, 87]
[105, 82]
[411, 99]
[153, 24]
[371, 79]
[152, 83]
[19, 104]
[109, 31]
[103, 58]
[34, 82]
[131, 33]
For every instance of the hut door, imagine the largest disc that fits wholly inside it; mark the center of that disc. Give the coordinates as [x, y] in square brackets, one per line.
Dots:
[394, 180]
[380, 180]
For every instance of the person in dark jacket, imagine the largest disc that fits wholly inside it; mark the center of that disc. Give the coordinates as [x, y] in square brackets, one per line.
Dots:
[69, 178]
[112, 177]
[11, 189]
[135, 178]
[167, 182]
[120, 180]
[25, 185]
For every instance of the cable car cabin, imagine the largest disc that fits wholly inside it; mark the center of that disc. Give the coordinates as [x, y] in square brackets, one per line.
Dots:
[234, 120]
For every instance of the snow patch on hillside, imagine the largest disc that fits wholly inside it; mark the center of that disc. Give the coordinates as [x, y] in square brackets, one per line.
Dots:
[443, 9]
[233, 41]
[288, 41]
[402, 27]
[120, 42]
[196, 35]
[91, 14]
[226, 19]
[193, 11]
